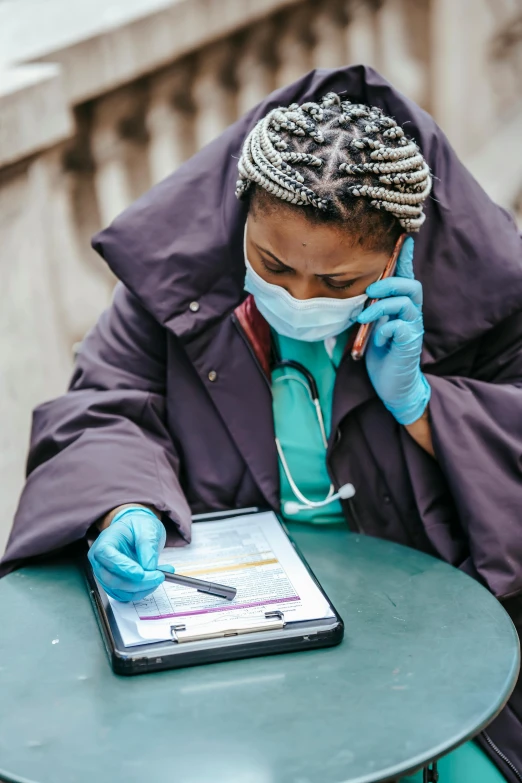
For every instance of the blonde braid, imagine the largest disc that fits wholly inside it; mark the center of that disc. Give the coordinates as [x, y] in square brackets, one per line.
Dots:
[343, 151]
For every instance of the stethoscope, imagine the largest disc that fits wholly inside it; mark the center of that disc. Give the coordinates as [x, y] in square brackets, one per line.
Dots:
[308, 382]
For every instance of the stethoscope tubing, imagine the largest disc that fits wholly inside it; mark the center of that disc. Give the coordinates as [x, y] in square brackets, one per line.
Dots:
[313, 391]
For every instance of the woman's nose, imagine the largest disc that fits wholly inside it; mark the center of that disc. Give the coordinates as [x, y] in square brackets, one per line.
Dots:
[301, 289]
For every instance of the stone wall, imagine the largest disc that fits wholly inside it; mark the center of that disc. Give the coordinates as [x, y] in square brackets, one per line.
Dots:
[99, 102]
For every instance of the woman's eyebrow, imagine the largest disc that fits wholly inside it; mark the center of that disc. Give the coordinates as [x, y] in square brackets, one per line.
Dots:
[275, 258]
[338, 274]
[285, 266]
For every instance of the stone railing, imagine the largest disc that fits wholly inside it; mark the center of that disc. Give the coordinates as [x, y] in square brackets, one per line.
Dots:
[97, 105]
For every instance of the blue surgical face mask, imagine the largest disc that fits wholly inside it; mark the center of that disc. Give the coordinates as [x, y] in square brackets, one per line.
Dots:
[310, 320]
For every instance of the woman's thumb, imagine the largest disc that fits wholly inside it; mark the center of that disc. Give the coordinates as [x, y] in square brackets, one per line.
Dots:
[167, 568]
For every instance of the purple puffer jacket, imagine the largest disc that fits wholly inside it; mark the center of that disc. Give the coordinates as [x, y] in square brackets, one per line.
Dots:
[169, 403]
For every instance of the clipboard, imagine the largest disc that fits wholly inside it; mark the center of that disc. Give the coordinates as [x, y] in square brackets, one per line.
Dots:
[268, 633]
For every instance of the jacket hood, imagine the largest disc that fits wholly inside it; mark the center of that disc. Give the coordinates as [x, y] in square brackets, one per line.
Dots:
[183, 240]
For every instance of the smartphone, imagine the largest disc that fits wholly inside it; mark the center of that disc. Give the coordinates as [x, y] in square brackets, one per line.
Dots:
[365, 330]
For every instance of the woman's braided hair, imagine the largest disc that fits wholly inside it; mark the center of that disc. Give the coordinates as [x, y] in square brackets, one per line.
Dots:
[339, 158]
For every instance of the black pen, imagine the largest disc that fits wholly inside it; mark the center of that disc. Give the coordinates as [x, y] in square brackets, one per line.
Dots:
[213, 588]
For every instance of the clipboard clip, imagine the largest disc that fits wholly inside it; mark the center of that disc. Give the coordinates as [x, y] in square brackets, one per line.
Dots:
[272, 621]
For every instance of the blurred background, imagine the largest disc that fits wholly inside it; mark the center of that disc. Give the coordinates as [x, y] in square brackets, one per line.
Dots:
[99, 100]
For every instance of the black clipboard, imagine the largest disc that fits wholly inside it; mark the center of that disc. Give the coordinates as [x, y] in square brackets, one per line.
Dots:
[263, 636]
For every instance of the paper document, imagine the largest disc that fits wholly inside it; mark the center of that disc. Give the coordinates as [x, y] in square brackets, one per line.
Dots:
[251, 553]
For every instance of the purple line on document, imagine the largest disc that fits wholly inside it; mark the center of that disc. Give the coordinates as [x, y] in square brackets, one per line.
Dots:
[228, 608]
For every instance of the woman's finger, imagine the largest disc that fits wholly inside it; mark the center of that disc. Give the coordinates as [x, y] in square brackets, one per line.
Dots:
[149, 539]
[120, 595]
[405, 260]
[398, 306]
[109, 557]
[151, 580]
[398, 331]
[396, 286]
[126, 597]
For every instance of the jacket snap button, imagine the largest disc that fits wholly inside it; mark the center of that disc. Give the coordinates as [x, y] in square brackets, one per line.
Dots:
[386, 498]
[212, 376]
[194, 307]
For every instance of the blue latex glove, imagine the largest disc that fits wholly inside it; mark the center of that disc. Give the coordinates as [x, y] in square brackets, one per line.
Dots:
[393, 355]
[124, 557]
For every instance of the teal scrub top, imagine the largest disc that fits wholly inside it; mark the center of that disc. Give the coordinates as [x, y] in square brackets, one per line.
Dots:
[297, 426]
[298, 431]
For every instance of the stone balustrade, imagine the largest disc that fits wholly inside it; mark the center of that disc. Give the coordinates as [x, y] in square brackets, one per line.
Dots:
[100, 102]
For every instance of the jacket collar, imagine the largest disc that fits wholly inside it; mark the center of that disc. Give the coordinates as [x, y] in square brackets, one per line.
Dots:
[240, 379]
[257, 332]
[352, 387]
[182, 241]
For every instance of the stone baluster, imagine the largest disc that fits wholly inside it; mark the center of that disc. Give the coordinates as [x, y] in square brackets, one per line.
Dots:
[169, 120]
[361, 33]
[501, 56]
[79, 171]
[255, 68]
[294, 44]
[450, 51]
[213, 92]
[82, 285]
[516, 207]
[399, 24]
[119, 150]
[329, 33]
[35, 360]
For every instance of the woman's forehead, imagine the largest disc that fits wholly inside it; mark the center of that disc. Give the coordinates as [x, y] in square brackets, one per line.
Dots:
[307, 245]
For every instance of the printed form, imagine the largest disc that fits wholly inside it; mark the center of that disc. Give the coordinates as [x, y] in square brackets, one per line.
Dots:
[251, 553]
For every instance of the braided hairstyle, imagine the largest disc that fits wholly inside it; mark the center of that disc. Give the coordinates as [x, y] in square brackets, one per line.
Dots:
[342, 160]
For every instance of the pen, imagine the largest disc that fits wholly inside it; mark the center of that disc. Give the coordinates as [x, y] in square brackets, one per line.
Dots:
[213, 588]
[365, 330]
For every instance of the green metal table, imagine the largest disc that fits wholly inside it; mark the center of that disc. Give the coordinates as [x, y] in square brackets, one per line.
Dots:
[429, 658]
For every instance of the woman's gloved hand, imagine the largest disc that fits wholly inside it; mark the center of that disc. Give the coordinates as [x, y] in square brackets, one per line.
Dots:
[124, 557]
[393, 354]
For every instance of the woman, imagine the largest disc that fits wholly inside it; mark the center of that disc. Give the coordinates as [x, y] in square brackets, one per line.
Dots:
[179, 391]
